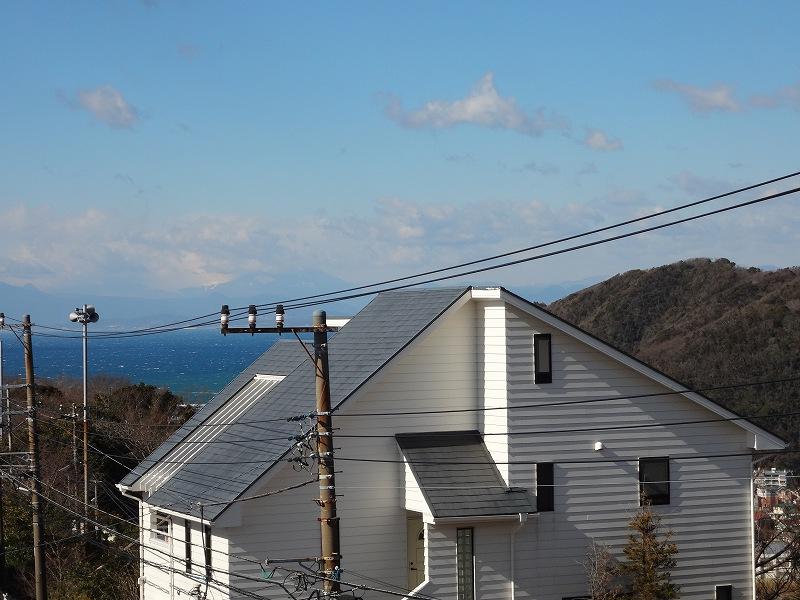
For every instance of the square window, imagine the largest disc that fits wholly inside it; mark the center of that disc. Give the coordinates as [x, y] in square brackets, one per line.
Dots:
[159, 527]
[542, 358]
[654, 480]
[723, 592]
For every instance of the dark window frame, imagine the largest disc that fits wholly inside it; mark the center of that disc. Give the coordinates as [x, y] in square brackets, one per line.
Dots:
[187, 538]
[467, 580]
[545, 487]
[662, 496]
[539, 375]
[727, 590]
[207, 550]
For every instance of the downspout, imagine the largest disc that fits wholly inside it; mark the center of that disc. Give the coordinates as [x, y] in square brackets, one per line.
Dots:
[141, 552]
[522, 518]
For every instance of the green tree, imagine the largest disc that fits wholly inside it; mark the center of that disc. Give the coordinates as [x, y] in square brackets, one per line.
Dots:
[649, 558]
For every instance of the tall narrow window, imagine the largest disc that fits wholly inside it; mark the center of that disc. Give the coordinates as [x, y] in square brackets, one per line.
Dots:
[542, 358]
[188, 543]
[465, 555]
[207, 549]
[654, 480]
[545, 490]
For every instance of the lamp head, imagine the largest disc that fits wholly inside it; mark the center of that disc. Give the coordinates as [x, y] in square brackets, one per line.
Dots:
[2, 320]
[73, 316]
[94, 317]
[251, 316]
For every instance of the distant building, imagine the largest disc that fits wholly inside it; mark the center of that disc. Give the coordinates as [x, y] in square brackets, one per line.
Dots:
[772, 480]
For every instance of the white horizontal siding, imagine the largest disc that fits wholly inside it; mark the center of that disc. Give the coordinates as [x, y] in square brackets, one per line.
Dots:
[710, 518]
[437, 372]
[163, 569]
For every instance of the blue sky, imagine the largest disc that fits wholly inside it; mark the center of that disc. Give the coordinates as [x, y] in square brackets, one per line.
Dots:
[189, 144]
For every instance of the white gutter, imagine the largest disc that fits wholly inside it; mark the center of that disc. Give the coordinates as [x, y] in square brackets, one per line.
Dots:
[125, 491]
[523, 517]
[477, 519]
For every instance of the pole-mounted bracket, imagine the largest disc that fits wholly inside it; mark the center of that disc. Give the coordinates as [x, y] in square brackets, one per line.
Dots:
[327, 519]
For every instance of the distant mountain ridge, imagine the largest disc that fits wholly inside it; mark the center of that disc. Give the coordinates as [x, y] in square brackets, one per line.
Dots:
[155, 308]
[706, 323]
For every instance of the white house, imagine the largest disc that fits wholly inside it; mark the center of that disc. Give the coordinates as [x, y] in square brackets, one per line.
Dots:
[482, 443]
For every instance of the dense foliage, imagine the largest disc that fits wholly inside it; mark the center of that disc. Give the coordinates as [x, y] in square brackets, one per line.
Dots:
[128, 422]
[707, 323]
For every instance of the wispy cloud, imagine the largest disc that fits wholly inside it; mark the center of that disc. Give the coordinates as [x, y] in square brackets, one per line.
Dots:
[108, 105]
[698, 185]
[786, 97]
[539, 168]
[400, 237]
[600, 140]
[715, 98]
[482, 106]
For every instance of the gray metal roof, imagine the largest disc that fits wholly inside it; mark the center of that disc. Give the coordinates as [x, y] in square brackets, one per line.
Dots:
[221, 472]
[458, 477]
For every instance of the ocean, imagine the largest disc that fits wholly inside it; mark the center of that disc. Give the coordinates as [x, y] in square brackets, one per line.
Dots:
[192, 363]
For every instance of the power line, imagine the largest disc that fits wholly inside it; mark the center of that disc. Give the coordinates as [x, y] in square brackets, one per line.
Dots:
[543, 245]
[239, 441]
[156, 550]
[564, 461]
[547, 254]
[189, 323]
[567, 401]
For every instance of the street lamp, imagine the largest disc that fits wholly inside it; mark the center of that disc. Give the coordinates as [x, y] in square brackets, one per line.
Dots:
[84, 316]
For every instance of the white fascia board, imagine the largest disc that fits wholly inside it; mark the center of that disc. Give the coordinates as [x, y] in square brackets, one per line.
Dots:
[487, 293]
[759, 439]
[337, 321]
[175, 513]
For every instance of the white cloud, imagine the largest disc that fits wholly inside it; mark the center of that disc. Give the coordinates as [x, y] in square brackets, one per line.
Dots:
[398, 237]
[107, 105]
[600, 140]
[715, 98]
[483, 106]
[698, 185]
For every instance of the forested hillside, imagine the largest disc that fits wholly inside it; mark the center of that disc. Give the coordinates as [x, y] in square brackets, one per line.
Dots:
[707, 323]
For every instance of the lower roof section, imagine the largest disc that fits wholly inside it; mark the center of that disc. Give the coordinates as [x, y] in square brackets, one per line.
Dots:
[457, 476]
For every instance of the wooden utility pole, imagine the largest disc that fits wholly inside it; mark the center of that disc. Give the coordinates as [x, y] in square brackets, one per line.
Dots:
[328, 521]
[40, 568]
